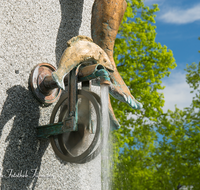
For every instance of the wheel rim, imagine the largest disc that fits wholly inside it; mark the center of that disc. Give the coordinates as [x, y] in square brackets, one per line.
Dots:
[62, 149]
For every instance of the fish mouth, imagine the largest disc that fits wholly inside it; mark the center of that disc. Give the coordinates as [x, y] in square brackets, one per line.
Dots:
[59, 80]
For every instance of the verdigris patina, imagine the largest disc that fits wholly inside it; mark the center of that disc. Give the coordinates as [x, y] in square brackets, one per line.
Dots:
[82, 50]
[106, 18]
[84, 59]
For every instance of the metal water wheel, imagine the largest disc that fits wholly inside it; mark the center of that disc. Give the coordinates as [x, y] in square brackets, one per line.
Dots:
[82, 145]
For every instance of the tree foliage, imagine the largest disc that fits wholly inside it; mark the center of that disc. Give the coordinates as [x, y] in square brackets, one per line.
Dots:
[160, 150]
[142, 62]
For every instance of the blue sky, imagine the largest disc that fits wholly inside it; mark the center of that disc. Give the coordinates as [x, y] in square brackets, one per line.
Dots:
[178, 27]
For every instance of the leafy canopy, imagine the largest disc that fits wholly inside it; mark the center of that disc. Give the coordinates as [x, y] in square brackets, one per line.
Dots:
[160, 150]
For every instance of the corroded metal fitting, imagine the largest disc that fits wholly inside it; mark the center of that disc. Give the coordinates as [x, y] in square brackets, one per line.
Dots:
[94, 71]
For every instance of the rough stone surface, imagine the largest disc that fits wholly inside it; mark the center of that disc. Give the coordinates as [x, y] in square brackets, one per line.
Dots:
[33, 32]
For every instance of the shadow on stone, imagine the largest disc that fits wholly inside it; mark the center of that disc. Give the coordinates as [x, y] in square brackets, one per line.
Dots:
[71, 18]
[23, 152]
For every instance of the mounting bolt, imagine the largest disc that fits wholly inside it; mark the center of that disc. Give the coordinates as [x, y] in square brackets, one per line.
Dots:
[71, 113]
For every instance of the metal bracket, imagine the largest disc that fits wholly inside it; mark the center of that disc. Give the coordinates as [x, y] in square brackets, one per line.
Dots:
[46, 131]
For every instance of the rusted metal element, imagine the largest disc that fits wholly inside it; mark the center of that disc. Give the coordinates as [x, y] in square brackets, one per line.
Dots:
[46, 131]
[80, 49]
[43, 93]
[72, 94]
[71, 144]
[71, 116]
[86, 85]
[71, 131]
[87, 70]
[44, 86]
[49, 83]
[106, 18]
[94, 71]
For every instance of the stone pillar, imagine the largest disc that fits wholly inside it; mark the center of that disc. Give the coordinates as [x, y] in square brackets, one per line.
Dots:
[33, 32]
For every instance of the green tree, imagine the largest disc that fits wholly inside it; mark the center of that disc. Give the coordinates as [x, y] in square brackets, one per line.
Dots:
[179, 153]
[142, 62]
[160, 150]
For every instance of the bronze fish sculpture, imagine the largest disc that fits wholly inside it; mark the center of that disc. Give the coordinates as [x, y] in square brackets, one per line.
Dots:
[106, 18]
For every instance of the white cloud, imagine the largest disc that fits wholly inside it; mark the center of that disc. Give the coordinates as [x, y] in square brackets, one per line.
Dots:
[182, 16]
[176, 91]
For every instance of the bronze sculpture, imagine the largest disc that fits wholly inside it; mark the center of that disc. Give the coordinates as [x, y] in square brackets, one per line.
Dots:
[84, 59]
[106, 18]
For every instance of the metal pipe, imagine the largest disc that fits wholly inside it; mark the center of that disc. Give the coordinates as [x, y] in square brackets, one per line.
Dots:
[94, 71]
[85, 74]
[48, 84]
